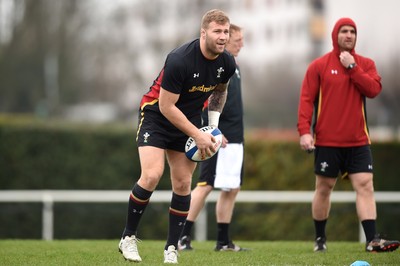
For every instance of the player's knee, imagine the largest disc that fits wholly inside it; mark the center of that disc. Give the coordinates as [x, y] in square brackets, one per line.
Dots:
[149, 180]
[181, 186]
[366, 187]
[324, 186]
[323, 191]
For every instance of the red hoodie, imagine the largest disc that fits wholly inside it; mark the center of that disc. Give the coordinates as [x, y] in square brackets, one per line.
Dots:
[333, 97]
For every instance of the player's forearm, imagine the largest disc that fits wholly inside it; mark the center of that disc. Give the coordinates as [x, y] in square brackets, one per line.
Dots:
[217, 99]
[367, 83]
[167, 101]
[179, 120]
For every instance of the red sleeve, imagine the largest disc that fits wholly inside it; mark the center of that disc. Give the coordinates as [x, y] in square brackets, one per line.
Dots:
[366, 78]
[308, 94]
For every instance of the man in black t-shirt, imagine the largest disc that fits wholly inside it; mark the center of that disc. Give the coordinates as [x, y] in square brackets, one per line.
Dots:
[169, 113]
[225, 169]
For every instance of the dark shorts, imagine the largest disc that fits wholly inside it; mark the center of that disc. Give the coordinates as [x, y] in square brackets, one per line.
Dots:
[330, 161]
[208, 170]
[155, 130]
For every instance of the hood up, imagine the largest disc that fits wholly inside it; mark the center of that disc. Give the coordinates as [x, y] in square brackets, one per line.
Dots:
[341, 22]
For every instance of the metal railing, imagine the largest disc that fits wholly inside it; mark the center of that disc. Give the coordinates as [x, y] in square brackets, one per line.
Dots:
[49, 197]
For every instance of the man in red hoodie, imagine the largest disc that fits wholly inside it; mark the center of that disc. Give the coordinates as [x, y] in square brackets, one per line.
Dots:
[333, 97]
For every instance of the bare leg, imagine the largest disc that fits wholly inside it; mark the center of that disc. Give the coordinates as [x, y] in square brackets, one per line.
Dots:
[199, 195]
[365, 199]
[225, 205]
[181, 172]
[321, 203]
[152, 162]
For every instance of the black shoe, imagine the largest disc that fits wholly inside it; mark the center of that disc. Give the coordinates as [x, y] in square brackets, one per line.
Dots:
[229, 247]
[378, 244]
[320, 244]
[184, 243]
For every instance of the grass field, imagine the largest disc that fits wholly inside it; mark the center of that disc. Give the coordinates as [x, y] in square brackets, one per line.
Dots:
[105, 252]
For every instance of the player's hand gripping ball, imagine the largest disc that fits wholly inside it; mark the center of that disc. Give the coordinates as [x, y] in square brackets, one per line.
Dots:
[193, 153]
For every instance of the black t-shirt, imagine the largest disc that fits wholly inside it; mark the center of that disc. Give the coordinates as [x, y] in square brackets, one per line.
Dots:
[188, 73]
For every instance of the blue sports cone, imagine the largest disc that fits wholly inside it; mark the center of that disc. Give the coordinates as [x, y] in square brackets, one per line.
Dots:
[360, 263]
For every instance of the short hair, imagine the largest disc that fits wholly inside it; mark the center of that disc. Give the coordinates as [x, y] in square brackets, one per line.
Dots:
[214, 15]
[234, 28]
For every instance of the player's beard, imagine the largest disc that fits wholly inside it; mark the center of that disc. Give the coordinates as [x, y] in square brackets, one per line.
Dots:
[213, 49]
[347, 45]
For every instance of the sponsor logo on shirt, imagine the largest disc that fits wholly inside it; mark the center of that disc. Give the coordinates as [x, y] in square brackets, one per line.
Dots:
[201, 88]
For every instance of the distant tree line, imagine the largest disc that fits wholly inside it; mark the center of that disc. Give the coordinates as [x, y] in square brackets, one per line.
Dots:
[55, 54]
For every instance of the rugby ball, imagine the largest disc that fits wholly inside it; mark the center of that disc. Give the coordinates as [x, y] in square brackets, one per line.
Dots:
[193, 153]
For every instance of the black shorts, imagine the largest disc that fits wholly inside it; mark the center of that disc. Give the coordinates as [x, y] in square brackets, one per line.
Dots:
[155, 130]
[330, 161]
[208, 170]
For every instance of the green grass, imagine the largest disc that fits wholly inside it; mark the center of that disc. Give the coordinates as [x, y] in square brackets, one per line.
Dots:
[105, 252]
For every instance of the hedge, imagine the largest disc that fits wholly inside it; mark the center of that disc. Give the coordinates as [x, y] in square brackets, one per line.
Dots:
[42, 154]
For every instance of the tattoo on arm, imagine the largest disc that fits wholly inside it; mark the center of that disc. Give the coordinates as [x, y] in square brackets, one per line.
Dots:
[217, 99]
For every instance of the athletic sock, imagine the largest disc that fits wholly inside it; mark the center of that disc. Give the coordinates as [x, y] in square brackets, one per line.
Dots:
[138, 201]
[369, 229]
[187, 228]
[320, 228]
[178, 211]
[223, 235]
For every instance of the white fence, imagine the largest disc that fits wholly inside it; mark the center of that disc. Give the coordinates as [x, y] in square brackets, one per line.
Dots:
[49, 197]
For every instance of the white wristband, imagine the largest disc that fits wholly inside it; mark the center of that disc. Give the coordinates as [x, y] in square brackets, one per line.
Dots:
[213, 118]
